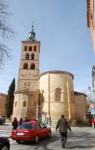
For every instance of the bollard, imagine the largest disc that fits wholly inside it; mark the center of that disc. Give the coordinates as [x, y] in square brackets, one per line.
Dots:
[46, 120]
[92, 121]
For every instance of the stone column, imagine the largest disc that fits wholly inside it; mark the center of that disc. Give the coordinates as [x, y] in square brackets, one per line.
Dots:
[68, 93]
[49, 118]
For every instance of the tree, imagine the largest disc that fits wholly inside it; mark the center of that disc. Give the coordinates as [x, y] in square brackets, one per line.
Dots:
[10, 100]
[6, 32]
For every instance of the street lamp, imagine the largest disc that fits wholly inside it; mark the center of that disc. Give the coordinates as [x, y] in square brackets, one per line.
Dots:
[92, 94]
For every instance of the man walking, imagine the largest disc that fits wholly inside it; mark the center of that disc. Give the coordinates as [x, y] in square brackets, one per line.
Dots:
[63, 126]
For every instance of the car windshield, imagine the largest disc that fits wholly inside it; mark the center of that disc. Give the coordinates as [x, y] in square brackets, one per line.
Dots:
[27, 125]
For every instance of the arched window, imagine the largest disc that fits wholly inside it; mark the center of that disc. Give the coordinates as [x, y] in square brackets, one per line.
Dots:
[27, 56]
[32, 56]
[24, 104]
[15, 103]
[32, 66]
[25, 48]
[30, 48]
[25, 66]
[58, 92]
[34, 48]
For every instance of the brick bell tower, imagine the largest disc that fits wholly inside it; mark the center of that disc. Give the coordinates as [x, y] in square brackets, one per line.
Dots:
[27, 95]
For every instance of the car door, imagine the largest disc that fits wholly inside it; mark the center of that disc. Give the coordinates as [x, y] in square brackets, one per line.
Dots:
[31, 129]
[39, 130]
[43, 129]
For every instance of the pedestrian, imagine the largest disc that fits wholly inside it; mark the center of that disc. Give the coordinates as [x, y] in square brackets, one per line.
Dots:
[20, 122]
[63, 126]
[26, 119]
[15, 123]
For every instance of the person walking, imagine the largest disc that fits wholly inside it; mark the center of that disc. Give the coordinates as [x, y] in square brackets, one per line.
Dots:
[15, 123]
[63, 126]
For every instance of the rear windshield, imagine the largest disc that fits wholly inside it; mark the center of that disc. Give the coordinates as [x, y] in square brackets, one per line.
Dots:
[27, 125]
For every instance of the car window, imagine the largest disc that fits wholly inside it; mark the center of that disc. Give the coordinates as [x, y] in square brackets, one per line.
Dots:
[37, 126]
[42, 125]
[27, 125]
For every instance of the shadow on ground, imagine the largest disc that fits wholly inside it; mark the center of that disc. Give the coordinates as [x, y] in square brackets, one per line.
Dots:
[43, 143]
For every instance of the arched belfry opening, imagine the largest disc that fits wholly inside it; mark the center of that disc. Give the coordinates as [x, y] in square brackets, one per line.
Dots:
[25, 66]
[32, 66]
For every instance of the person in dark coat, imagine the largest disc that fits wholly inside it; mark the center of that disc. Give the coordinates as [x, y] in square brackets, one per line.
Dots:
[63, 126]
[20, 122]
[15, 123]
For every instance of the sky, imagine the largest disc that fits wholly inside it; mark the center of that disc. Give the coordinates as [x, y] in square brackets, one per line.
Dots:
[66, 43]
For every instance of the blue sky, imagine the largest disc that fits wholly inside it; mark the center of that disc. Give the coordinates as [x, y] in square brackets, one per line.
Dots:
[66, 44]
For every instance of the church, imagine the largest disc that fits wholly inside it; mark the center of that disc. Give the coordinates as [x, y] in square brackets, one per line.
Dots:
[47, 95]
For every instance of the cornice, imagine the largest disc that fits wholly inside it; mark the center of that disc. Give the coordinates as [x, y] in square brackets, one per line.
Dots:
[57, 72]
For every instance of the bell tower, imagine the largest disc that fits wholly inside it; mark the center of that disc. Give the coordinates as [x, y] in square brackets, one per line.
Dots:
[28, 76]
[27, 95]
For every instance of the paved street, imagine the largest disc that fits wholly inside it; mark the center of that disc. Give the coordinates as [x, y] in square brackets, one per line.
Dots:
[80, 138]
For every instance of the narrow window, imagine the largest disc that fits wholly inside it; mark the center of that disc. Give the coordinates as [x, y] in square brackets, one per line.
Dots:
[25, 48]
[32, 66]
[25, 66]
[27, 56]
[34, 48]
[25, 85]
[32, 56]
[58, 92]
[24, 103]
[29, 84]
[15, 103]
[30, 48]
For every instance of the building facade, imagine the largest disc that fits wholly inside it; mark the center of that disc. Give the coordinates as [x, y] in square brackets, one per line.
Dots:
[91, 19]
[27, 94]
[81, 106]
[42, 96]
[58, 95]
[2, 104]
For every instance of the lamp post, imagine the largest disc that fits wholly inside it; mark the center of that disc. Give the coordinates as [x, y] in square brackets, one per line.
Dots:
[92, 94]
[37, 111]
[93, 83]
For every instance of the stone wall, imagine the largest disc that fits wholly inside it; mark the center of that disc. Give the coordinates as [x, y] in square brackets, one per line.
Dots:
[81, 106]
[2, 104]
[58, 95]
[25, 103]
[29, 78]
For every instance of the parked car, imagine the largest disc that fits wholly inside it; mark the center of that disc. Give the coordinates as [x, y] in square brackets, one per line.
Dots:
[2, 119]
[4, 143]
[31, 131]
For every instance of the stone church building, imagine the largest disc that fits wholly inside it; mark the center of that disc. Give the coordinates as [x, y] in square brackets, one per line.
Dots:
[47, 95]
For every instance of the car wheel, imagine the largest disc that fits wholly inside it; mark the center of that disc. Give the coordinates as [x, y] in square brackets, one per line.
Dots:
[49, 134]
[36, 140]
[18, 141]
[4, 147]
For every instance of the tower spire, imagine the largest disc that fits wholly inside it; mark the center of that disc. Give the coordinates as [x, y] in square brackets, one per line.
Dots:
[32, 34]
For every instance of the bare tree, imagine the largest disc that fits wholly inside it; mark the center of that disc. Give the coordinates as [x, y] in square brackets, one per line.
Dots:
[6, 32]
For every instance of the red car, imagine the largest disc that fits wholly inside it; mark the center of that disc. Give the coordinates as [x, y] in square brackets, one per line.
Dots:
[31, 131]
